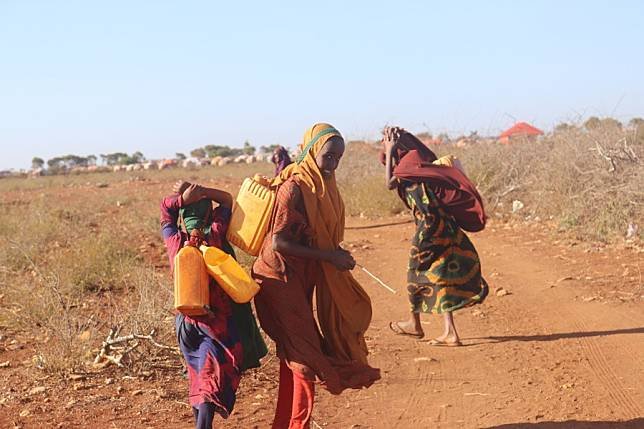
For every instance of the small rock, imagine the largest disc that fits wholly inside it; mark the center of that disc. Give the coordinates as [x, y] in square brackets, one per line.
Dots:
[102, 185]
[37, 390]
[5, 364]
[589, 298]
[517, 206]
[85, 335]
[76, 377]
[502, 292]
[425, 359]
[109, 381]
[25, 413]
[137, 392]
[631, 231]
[565, 279]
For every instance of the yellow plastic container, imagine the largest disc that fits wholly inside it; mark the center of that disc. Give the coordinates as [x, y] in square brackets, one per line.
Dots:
[450, 161]
[191, 294]
[229, 275]
[251, 214]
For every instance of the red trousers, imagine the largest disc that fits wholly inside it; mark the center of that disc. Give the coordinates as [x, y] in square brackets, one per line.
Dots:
[294, 400]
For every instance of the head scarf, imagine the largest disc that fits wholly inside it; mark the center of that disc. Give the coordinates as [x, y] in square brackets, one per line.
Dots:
[343, 307]
[414, 162]
[281, 159]
[195, 216]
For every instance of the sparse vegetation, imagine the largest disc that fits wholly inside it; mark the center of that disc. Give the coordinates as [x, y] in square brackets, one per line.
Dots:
[82, 254]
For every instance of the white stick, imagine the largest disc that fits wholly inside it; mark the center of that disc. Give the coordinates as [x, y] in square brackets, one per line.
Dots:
[376, 278]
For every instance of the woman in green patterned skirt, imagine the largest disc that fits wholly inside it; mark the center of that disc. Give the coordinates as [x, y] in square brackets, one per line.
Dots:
[444, 272]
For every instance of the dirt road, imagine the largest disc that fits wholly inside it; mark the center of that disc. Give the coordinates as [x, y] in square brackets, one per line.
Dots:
[563, 349]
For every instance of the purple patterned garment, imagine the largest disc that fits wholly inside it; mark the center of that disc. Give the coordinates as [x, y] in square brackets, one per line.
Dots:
[210, 344]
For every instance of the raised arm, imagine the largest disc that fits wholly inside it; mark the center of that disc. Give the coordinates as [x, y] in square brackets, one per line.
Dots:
[192, 192]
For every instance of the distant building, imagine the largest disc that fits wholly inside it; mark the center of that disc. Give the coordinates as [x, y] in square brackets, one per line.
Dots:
[520, 131]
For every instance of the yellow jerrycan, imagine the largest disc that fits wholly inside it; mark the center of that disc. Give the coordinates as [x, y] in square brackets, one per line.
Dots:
[251, 214]
[450, 161]
[229, 275]
[191, 294]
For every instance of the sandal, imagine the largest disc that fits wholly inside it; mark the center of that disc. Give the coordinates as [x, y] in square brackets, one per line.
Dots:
[440, 343]
[396, 329]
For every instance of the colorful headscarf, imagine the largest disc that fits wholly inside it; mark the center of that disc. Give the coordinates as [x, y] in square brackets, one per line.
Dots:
[195, 216]
[343, 307]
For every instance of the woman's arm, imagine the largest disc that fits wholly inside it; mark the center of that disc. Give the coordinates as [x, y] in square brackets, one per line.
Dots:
[283, 243]
[389, 140]
[192, 192]
[339, 258]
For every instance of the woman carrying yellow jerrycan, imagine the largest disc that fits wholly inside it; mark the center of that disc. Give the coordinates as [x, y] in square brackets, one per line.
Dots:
[301, 255]
[220, 343]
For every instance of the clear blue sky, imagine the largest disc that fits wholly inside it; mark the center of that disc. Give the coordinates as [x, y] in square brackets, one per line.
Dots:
[87, 77]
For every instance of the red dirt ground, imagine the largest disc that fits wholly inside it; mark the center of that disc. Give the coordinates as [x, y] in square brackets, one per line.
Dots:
[564, 349]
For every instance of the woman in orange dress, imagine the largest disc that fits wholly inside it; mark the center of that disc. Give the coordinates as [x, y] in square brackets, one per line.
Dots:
[300, 256]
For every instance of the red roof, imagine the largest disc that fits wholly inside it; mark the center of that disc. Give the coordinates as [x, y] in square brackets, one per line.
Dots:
[521, 129]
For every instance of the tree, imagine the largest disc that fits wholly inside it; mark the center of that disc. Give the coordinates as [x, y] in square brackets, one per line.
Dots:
[248, 149]
[443, 137]
[592, 123]
[179, 156]
[563, 127]
[67, 162]
[121, 158]
[37, 163]
[424, 136]
[215, 150]
[115, 158]
[636, 123]
[137, 157]
[91, 159]
[268, 149]
[611, 123]
[198, 153]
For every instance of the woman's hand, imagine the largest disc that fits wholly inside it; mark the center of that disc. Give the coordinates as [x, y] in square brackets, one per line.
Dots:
[192, 194]
[180, 186]
[390, 136]
[341, 259]
[196, 238]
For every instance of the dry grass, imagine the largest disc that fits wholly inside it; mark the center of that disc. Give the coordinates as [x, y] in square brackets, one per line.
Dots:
[567, 178]
[81, 254]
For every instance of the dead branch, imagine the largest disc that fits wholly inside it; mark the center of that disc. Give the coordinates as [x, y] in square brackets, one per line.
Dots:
[148, 337]
[116, 347]
[602, 152]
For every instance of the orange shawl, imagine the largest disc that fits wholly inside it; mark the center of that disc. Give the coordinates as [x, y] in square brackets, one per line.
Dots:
[343, 307]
